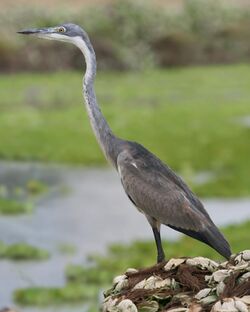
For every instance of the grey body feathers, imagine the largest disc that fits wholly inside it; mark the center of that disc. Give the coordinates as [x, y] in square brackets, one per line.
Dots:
[162, 195]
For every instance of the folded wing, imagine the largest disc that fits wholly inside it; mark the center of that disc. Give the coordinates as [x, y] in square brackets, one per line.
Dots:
[159, 193]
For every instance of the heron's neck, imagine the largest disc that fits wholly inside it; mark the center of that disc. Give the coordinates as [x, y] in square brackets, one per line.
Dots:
[99, 125]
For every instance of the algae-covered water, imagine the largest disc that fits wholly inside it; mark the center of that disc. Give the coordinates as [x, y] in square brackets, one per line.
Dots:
[82, 212]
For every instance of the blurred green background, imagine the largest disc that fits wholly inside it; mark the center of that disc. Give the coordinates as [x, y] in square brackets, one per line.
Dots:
[172, 75]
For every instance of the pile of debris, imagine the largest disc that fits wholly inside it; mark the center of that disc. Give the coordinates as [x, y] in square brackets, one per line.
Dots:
[184, 285]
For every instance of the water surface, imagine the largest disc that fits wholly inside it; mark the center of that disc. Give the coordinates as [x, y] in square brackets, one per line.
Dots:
[92, 213]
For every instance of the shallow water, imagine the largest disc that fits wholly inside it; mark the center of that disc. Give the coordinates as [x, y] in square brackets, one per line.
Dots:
[93, 213]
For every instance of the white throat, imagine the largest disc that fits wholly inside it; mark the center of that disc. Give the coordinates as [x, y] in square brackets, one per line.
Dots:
[85, 50]
[98, 122]
[77, 41]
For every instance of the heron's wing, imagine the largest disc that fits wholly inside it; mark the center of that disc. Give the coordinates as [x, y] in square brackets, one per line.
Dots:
[157, 194]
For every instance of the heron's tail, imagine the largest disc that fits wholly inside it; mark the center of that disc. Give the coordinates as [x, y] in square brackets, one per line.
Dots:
[212, 237]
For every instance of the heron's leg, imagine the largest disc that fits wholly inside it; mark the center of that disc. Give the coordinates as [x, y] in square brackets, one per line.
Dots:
[160, 251]
[156, 226]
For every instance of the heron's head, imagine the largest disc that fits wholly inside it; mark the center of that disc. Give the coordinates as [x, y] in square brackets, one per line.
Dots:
[69, 33]
[65, 32]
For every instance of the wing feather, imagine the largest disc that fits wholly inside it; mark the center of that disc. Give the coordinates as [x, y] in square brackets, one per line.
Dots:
[157, 194]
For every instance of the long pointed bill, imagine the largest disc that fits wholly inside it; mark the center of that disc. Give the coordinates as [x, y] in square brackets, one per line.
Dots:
[36, 31]
[45, 33]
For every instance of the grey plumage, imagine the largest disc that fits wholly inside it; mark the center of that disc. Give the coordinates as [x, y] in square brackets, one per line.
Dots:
[152, 186]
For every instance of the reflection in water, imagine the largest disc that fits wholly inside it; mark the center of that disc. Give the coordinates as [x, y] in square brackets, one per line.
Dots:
[86, 217]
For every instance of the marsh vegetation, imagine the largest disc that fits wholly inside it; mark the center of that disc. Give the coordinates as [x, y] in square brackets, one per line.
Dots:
[44, 114]
[195, 118]
[130, 34]
[84, 282]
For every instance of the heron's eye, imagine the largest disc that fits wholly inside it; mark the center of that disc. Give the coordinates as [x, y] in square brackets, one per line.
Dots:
[61, 29]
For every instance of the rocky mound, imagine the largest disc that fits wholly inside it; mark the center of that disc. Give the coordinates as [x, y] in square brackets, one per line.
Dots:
[184, 285]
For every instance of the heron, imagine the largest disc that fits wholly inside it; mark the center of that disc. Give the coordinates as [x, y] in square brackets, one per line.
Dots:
[151, 185]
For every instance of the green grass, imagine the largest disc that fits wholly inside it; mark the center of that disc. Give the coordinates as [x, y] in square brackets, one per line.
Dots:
[83, 283]
[42, 296]
[188, 117]
[13, 207]
[143, 253]
[35, 187]
[22, 251]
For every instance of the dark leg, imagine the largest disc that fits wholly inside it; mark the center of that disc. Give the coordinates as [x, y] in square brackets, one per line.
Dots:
[160, 251]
